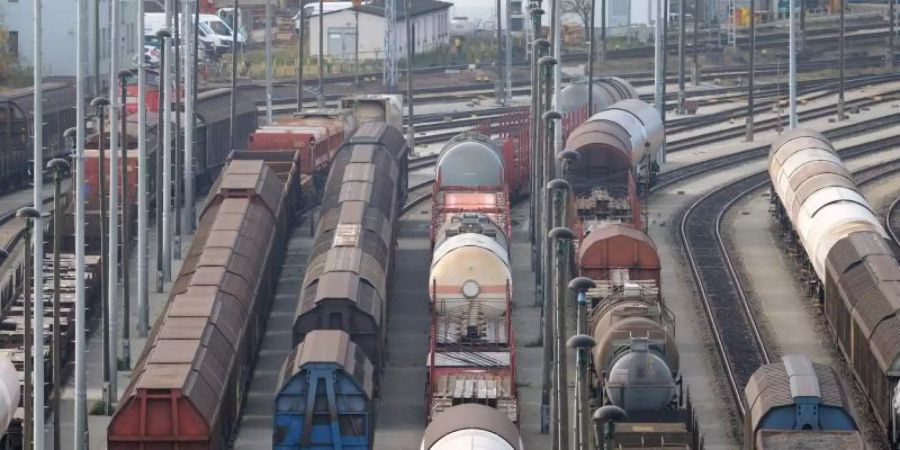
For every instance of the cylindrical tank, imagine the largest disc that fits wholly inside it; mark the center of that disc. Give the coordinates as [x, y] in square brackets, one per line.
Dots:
[818, 194]
[478, 223]
[607, 91]
[640, 380]
[470, 267]
[470, 159]
[471, 427]
[614, 140]
[9, 392]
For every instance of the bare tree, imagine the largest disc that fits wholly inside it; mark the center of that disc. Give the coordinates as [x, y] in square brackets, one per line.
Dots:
[580, 8]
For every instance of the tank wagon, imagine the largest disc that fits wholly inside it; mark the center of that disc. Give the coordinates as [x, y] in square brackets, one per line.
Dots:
[635, 363]
[850, 263]
[471, 399]
[10, 393]
[613, 154]
[607, 91]
[324, 395]
[795, 403]
[187, 387]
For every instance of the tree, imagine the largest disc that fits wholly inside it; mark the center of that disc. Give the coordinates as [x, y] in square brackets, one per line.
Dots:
[10, 72]
[580, 8]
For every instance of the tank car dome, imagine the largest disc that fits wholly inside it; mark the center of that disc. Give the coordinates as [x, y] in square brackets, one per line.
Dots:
[640, 381]
[470, 159]
[607, 91]
[471, 427]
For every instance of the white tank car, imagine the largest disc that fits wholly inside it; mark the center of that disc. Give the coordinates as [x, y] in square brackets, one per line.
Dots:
[622, 134]
[818, 193]
[472, 160]
[469, 286]
[471, 427]
[607, 91]
[9, 392]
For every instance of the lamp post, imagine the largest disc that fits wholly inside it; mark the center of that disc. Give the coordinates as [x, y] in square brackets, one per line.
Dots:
[125, 204]
[30, 214]
[606, 417]
[590, 74]
[58, 167]
[562, 238]
[751, 71]
[547, 423]
[582, 343]
[161, 147]
[100, 103]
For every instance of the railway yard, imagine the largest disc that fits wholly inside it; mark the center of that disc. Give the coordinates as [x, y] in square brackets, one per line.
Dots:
[527, 274]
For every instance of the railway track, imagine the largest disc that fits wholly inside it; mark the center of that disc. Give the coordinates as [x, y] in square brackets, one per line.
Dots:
[892, 220]
[738, 130]
[736, 334]
[423, 190]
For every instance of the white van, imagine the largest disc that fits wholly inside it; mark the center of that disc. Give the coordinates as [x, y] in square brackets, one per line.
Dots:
[154, 22]
[219, 27]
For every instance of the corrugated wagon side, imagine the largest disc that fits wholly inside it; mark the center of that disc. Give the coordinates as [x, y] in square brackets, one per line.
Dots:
[187, 387]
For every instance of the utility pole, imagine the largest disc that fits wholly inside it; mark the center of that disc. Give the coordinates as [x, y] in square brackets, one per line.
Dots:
[659, 65]
[165, 205]
[590, 30]
[893, 19]
[96, 25]
[751, 71]
[126, 236]
[38, 232]
[390, 45]
[501, 84]
[840, 105]
[234, 53]
[695, 76]
[190, 61]
[602, 30]
[410, 54]
[548, 393]
[792, 64]
[268, 62]
[562, 238]
[58, 166]
[179, 108]
[142, 202]
[112, 232]
[681, 95]
[356, 4]
[80, 433]
[162, 119]
[30, 215]
[582, 344]
[300, 33]
[321, 98]
[100, 103]
[508, 64]
[556, 17]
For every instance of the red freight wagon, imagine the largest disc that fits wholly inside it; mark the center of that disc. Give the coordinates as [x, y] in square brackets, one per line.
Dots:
[316, 135]
[92, 177]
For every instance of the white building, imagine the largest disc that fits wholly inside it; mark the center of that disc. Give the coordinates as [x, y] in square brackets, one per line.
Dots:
[59, 39]
[431, 26]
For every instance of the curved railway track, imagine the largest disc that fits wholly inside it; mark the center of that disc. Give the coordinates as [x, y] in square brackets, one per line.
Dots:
[736, 334]
[413, 201]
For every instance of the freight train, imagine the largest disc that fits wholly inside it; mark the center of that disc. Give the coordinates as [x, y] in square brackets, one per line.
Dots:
[850, 263]
[472, 400]
[795, 403]
[635, 361]
[325, 389]
[607, 91]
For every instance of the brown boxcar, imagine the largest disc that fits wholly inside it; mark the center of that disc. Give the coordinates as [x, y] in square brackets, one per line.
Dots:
[187, 387]
[346, 281]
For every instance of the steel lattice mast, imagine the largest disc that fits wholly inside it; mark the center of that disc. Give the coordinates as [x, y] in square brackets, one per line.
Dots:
[390, 45]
